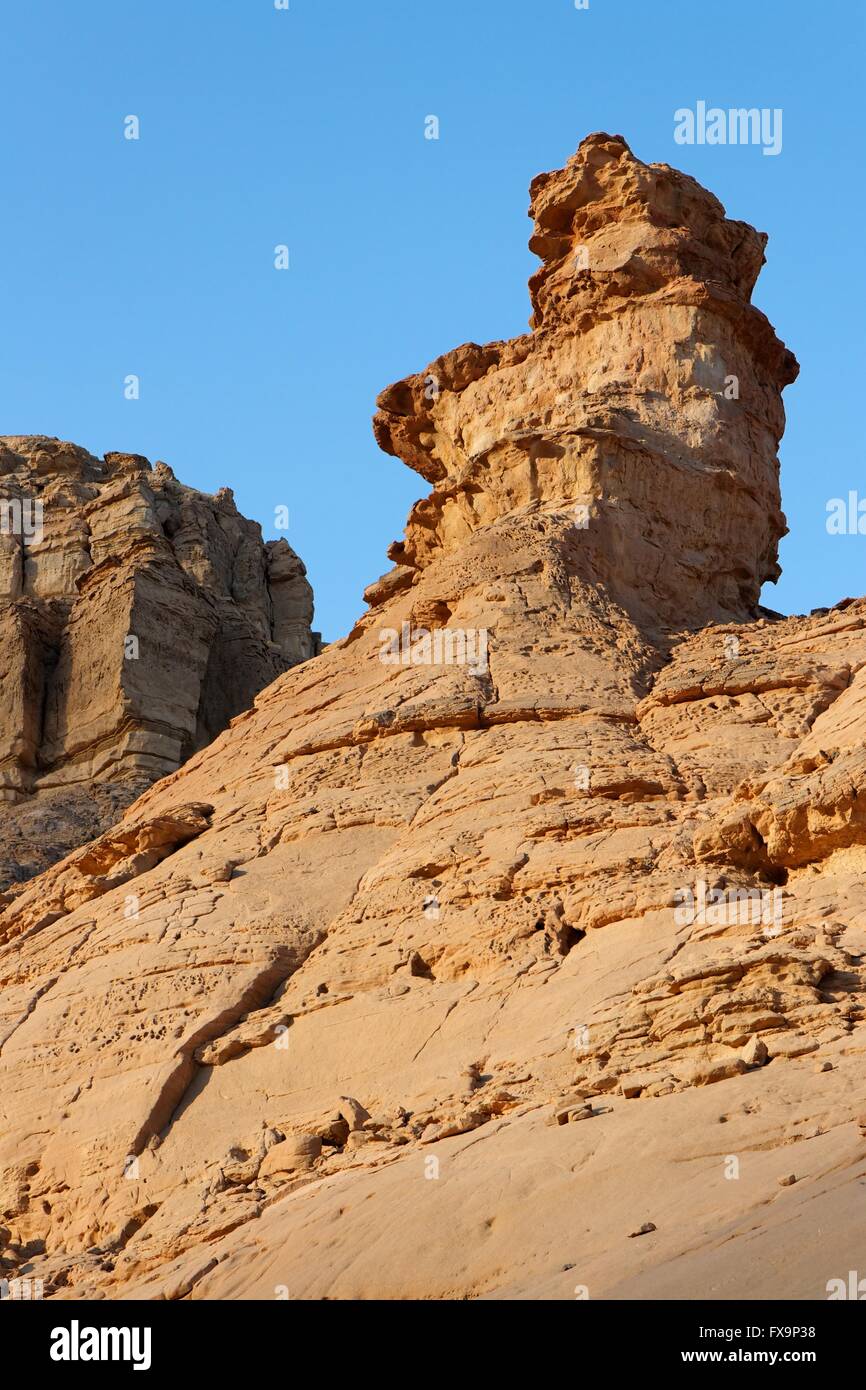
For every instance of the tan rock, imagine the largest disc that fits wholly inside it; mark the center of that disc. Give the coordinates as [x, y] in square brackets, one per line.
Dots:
[353, 1113]
[754, 1054]
[603, 801]
[138, 617]
[712, 1070]
[297, 1152]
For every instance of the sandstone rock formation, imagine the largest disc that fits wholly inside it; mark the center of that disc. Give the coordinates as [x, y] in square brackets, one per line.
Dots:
[137, 618]
[529, 918]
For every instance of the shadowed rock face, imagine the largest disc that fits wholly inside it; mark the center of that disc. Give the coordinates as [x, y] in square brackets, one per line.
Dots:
[137, 617]
[478, 944]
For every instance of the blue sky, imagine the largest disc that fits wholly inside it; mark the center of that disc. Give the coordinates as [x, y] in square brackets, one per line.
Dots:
[306, 128]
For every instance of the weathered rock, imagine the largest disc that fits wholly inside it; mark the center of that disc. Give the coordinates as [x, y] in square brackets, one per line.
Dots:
[649, 377]
[298, 1152]
[580, 841]
[353, 1113]
[754, 1054]
[137, 618]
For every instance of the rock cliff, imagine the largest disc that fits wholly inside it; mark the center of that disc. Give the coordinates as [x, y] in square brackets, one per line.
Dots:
[527, 919]
[137, 618]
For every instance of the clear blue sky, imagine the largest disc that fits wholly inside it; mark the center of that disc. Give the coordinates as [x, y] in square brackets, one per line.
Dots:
[306, 127]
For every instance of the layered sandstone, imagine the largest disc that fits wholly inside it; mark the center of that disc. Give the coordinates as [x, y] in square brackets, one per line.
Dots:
[648, 396]
[137, 617]
[394, 990]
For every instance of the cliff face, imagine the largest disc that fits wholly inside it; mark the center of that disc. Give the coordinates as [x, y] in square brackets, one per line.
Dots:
[496, 934]
[648, 396]
[137, 617]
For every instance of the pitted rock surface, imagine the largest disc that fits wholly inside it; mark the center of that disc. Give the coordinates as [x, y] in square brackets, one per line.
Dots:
[443, 978]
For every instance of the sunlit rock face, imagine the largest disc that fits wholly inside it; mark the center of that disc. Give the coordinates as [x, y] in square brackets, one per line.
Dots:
[488, 939]
[648, 395]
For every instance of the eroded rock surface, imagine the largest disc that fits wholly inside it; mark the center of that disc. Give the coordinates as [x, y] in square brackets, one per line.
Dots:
[452, 966]
[137, 617]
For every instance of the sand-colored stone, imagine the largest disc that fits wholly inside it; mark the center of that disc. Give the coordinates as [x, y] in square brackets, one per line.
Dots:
[454, 894]
[137, 618]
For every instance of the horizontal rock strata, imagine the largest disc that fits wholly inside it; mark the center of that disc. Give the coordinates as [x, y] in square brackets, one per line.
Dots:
[528, 918]
[137, 618]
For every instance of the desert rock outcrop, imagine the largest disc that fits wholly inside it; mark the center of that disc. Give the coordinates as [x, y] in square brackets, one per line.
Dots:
[137, 617]
[529, 916]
